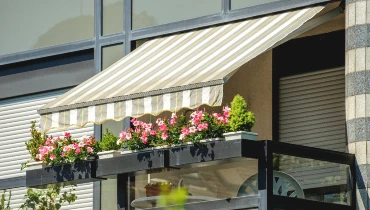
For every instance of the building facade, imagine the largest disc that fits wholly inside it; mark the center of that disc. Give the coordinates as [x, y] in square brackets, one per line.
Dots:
[309, 89]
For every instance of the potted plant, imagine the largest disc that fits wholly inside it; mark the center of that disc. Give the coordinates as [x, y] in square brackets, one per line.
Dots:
[37, 140]
[48, 150]
[50, 199]
[241, 121]
[159, 188]
[109, 146]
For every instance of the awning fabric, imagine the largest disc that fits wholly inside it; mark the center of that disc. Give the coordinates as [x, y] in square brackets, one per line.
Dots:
[170, 73]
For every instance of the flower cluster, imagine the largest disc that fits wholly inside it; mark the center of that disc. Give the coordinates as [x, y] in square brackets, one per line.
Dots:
[174, 130]
[64, 149]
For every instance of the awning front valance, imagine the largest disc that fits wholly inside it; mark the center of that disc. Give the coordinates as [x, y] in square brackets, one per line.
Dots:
[169, 73]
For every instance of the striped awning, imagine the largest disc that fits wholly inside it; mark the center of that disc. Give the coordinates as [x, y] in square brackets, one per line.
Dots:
[170, 73]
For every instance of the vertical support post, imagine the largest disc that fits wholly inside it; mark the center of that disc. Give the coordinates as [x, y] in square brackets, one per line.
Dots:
[97, 65]
[123, 187]
[357, 74]
[128, 25]
[265, 177]
[226, 6]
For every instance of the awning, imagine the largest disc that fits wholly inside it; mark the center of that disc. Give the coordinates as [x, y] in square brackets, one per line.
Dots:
[170, 73]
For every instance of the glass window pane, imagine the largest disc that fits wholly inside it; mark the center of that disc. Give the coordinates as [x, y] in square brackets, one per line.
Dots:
[109, 193]
[206, 183]
[312, 179]
[112, 16]
[114, 127]
[148, 13]
[141, 42]
[112, 54]
[239, 4]
[27, 25]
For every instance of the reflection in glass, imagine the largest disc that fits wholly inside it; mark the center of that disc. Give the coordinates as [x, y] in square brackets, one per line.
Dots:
[239, 4]
[109, 193]
[318, 180]
[210, 182]
[44, 23]
[112, 54]
[114, 127]
[148, 13]
[141, 42]
[112, 16]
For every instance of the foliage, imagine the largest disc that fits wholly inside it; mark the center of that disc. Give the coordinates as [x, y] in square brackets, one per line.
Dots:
[64, 149]
[38, 139]
[109, 141]
[177, 198]
[6, 206]
[241, 119]
[50, 199]
[174, 130]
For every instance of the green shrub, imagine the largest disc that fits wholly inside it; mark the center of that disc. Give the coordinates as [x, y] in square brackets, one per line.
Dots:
[241, 119]
[50, 199]
[4, 206]
[109, 141]
[38, 139]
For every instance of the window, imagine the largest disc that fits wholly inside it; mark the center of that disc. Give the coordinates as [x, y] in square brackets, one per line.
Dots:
[207, 183]
[239, 4]
[148, 13]
[113, 11]
[44, 23]
[112, 54]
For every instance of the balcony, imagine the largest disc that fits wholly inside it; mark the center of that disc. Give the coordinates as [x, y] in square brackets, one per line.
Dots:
[224, 174]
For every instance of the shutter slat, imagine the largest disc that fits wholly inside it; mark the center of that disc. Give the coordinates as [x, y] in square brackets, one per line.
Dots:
[312, 113]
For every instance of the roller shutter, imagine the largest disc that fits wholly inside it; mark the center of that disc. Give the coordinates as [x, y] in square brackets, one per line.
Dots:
[312, 113]
[312, 109]
[15, 117]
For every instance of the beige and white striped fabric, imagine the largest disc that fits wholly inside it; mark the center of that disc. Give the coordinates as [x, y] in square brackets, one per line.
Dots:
[169, 73]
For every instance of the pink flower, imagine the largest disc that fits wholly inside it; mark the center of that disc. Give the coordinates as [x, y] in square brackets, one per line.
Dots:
[153, 132]
[128, 136]
[75, 146]
[164, 136]
[192, 129]
[122, 135]
[144, 137]
[81, 144]
[202, 126]
[67, 134]
[77, 150]
[226, 111]
[133, 120]
[158, 120]
[66, 148]
[185, 131]
[172, 121]
[48, 142]
[39, 157]
[163, 127]
[52, 157]
[89, 150]
[136, 123]
[63, 154]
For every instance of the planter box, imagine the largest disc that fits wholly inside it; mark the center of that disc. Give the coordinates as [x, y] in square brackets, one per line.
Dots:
[132, 162]
[240, 135]
[35, 165]
[109, 154]
[59, 175]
